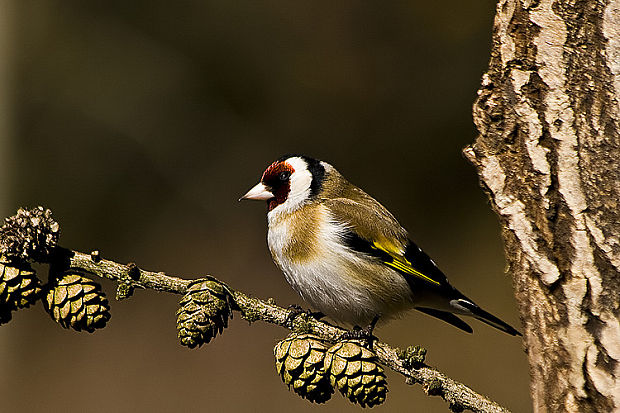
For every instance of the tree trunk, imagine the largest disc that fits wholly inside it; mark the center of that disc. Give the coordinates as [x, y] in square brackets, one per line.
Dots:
[548, 155]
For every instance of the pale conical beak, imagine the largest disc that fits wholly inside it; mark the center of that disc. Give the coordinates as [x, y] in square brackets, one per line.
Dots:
[258, 193]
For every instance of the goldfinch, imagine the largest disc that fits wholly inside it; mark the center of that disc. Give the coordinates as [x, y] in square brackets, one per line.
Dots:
[347, 255]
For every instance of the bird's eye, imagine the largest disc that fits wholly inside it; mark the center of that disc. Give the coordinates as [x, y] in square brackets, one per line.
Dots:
[284, 176]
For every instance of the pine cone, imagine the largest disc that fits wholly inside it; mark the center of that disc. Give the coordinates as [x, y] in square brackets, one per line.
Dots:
[77, 302]
[354, 371]
[29, 234]
[299, 361]
[205, 310]
[19, 287]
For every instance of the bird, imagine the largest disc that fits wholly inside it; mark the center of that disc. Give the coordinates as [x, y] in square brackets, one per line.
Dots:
[347, 255]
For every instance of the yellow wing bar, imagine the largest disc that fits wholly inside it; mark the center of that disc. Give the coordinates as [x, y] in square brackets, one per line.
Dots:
[399, 262]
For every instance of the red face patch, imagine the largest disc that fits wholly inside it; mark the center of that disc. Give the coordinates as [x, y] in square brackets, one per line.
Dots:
[277, 178]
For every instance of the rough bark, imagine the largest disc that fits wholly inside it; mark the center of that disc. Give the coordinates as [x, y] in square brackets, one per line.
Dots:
[548, 155]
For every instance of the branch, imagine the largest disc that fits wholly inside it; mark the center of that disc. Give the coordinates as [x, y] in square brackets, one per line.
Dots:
[253, 309]
[32, 235]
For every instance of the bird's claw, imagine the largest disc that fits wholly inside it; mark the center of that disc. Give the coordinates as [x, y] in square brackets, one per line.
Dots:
[363, 334]
[295, 310]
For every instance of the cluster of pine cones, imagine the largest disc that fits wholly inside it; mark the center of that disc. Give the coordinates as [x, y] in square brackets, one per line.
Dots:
[305, 363]
[71, 299]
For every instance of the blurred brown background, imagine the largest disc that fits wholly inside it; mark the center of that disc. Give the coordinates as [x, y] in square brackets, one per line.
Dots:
[139, 123]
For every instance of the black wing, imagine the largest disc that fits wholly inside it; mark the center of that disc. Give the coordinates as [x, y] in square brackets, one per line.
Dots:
[417, 267]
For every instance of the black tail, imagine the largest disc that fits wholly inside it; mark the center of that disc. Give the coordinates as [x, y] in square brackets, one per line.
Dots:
[486, 317]
[447, 317]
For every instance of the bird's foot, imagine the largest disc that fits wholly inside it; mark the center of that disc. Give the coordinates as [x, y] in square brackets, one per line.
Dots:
[295, 310]
[363, 334]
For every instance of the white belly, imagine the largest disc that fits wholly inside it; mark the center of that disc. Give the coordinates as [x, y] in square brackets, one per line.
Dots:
[337, 281]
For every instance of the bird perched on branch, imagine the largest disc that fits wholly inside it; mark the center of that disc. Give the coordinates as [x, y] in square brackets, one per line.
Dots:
[347, 255]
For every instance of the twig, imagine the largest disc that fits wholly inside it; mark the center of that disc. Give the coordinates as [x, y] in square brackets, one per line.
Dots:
[458, 396]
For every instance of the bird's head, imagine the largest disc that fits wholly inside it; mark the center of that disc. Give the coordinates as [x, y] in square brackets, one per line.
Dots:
[288, 183]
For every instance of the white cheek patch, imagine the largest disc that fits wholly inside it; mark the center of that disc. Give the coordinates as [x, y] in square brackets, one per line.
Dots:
[300, 181]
